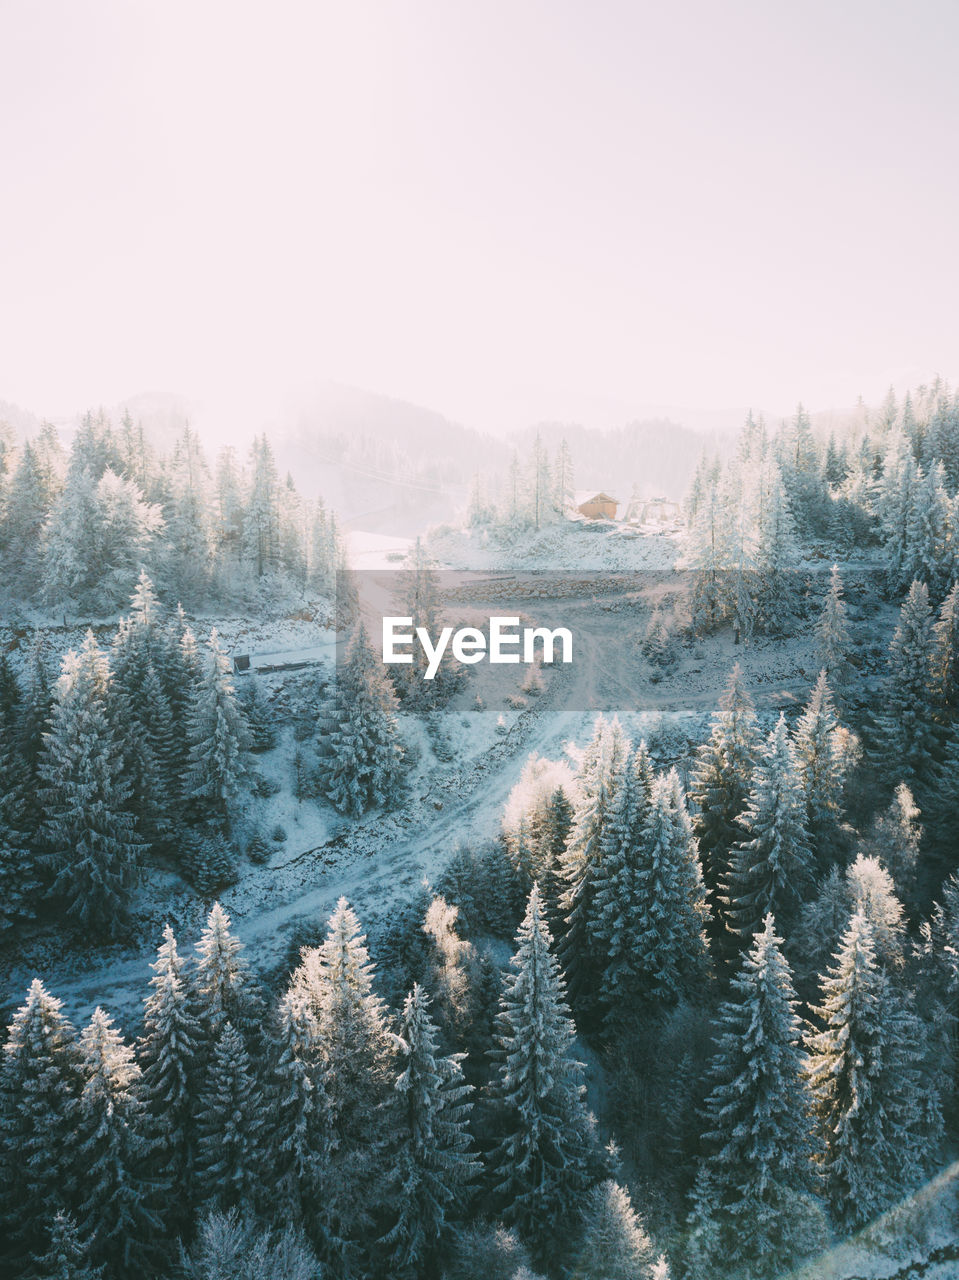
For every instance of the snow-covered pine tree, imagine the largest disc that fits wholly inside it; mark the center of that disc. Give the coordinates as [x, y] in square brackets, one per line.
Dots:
[361, 765]
[294, 1130]
[181, 674]
[930, 552]
[616, 889]
[872, 895]
[231, 1144]
[261, 516]
[67, 1255]
[614, 1245]
[354, 1081]
[112, 1199]
[945, 658]
[771, 867]
[721, 780]
[895, 838]
[865, 1080]
[217, 737]
[758, 1137]
[429, 1147]
[222, 990]
[824, 753]
[39, 1083]
[544, 1161]
[777, 554]
[167, 1053]
[87, 827]
[906, 725]
[19, 881]
[833, 641]
[231, 1246]
[670, 914]
[599, 773]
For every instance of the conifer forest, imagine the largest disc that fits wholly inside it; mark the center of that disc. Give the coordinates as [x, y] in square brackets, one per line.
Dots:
[479, 640]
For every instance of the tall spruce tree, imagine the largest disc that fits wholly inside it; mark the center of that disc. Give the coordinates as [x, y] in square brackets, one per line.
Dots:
[762, 1217]
[87, 828]
[544, 1161]
[361, 764]
[112, 1201]
[599, 773]
[217, 736]
[832, 634]
[865, 1079]
[429, 1145]
[721, 780]
[906, 724]
[670, 911]
[168, 1056]
[231, 1143]
[39, 1085]
[772, 866]
[615, 1245]
[295, 1133]
[824, 753]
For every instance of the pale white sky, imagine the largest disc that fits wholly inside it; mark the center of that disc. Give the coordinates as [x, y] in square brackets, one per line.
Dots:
[478, 206]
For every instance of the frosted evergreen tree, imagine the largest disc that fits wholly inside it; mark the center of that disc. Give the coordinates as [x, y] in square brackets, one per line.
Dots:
[39, 1083]
[895, 839]
[758, 1128]
[429, 1149]
[708, 555]
[945, 657]
[67, 1255]
[231, 1146]
[615, 906]
[824, 752]
[26, 507]
[833, 641]
[671, 912]
[564, 491]
[189, 526]
[777, 554]
[873, 896]
[896, 498]
[542, 1165]
[182, 676]
[261, 516]
[615, 1245]
[217, 736]
[222, 990]
[362, 762]
[865, 1081]
[771, 867]
[231, 1246]
[295, 1127]
[87, 828]
[19, 880]
[111, 1202]
[599, 773]
[167, 1053]
[721, 780]
[930, 553]
[906, 729]
[354, 1082]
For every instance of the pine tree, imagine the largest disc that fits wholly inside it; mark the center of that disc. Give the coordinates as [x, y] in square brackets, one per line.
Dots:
[261, 517]
[429, 1147]
[231, 1143]
[167, 1054]
[758, 1136]
[295, 1129]
[671, 913]
[865, 1083]
[67, 1256]
[217, 736]
[420, 601]
[39, 1084]
[222, 989]
[945, 657]
[541, 1166]
[19, 881]
[615, 1245]
[111, 1204]
[906, 724]
[824, 752]
[362, 763]
[721, 780]
[87, 827]
[616, 906]
[832, 634]
[599, 772]
[895, 840]
[771, 867]
[353, 1081]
